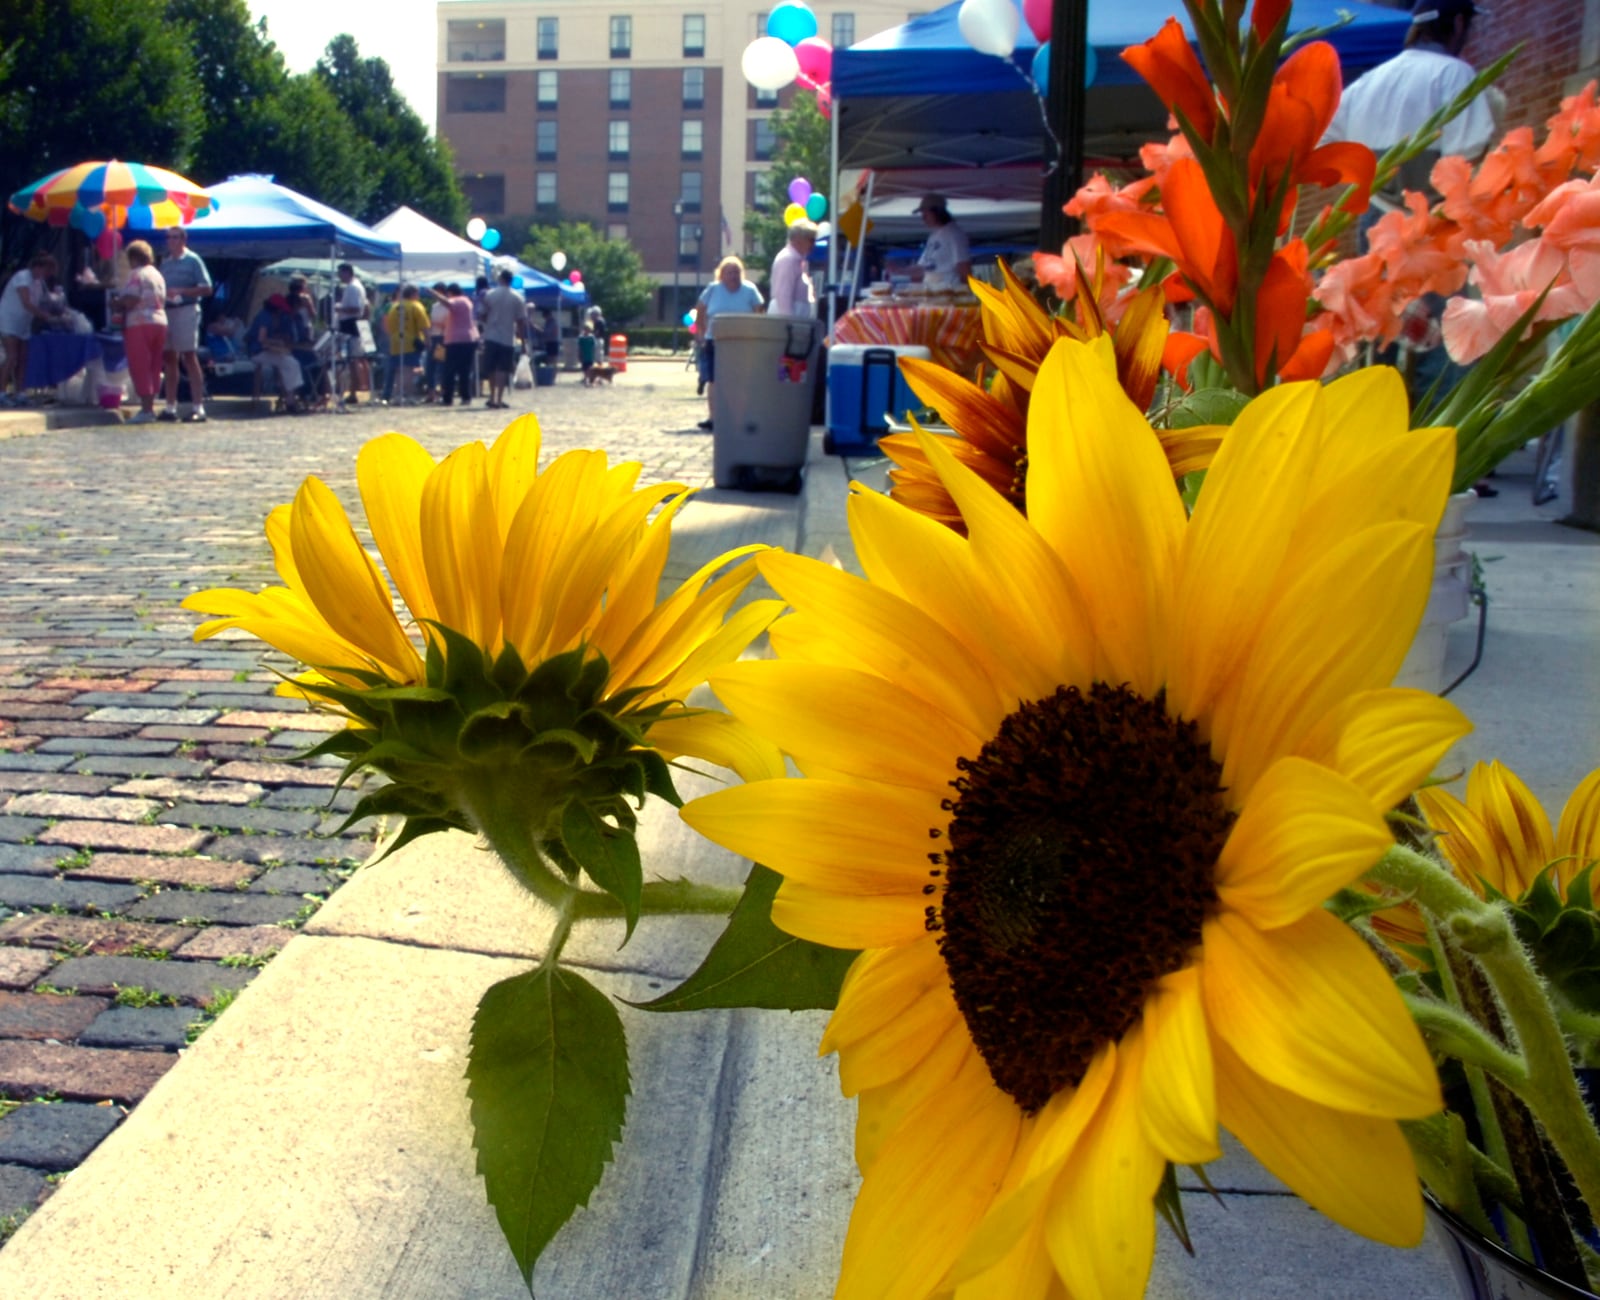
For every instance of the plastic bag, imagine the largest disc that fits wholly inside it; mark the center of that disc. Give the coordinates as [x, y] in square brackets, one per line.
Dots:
[523, 376]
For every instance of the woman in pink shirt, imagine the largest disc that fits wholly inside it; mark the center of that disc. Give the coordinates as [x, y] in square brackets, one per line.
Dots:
[460, 343]
[144, 326]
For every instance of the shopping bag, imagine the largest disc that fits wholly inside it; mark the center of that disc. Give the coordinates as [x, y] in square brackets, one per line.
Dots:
[523, 377]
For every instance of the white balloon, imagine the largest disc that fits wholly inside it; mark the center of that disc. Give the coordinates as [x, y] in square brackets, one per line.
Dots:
[824, 229]
[558, 259]
[476, 227]
[769, 64]
[990, 26]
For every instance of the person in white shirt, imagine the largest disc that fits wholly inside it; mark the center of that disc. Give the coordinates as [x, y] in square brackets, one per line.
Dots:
[349, 308]
[946, 261]
[1389, 103]
[792, 293]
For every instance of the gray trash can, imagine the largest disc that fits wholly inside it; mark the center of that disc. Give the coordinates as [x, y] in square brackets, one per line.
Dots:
[761, 417]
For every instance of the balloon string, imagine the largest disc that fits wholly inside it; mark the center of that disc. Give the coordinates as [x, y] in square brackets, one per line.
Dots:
[1044, 116]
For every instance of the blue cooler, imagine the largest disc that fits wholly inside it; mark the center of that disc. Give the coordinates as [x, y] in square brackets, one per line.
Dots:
[865, 387]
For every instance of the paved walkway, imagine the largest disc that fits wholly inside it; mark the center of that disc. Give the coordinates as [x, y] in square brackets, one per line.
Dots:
[156, 849]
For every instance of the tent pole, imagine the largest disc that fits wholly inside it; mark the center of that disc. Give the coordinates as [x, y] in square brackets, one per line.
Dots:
[833, 238]
[861, 248]
[1069, 32]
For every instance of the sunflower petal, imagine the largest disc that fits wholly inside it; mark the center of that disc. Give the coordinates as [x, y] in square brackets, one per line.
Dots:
[391, 472]
[1356, 1169]
[882, 1112]
[462, 546]
[921, 1198]
[1309, 1007]
[849, 921]
[1579, 832]
[1386, 742]
[1178, 1096]
[513, 468]
[879, 987]
[1518, 826]
[1304, 833]
[717, 738]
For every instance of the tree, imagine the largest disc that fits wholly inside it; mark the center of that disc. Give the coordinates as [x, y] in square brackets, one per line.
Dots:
[613, 272]
[804, 147]
[306, 142]
[241, 74]
[86, 79]
[406, 163]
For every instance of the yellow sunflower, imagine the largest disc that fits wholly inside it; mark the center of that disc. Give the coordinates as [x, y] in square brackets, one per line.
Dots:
[992, 421]
[505, 557]
[1078, 784]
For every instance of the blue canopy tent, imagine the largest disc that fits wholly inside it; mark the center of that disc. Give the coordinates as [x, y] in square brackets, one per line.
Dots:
[544, 290]
[257, 218]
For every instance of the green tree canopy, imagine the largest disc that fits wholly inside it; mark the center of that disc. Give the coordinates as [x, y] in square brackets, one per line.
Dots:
[240, 74]
[407, 164]
[613, 272]
[84, 79]
[804, 147]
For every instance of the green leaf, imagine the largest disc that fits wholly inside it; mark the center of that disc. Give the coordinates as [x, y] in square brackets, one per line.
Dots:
[414, 829]
[755, 964]
[609, 856]
[547, 1075]
[658, 777]
[1169, 1205]
[1206, 406]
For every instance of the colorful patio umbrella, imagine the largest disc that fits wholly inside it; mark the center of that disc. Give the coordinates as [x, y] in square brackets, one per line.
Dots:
[95, 195]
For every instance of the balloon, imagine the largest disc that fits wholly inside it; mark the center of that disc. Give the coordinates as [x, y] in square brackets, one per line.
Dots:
[1041, 67]
[769, 64]
[89, 220]
[791, 23]
[576, 277]
[793, 213]
[688, 318]
[491, 239]
[815, 57]
[107, 243]
[476, 227]
[990, 26]
[1037, 13]
[816, 207]
[516, 282]
[558, 259]
[694, 329]
[799, 190]
[824, 229]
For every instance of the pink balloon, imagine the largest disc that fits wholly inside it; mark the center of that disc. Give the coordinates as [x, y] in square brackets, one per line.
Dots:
[576, 277]
[815, 56]
[1037, 13]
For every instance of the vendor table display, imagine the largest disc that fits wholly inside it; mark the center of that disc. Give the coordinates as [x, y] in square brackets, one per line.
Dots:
[53, 358]
[949, 328]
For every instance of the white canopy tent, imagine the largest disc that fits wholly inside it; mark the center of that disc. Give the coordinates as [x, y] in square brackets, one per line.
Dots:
[429, 252]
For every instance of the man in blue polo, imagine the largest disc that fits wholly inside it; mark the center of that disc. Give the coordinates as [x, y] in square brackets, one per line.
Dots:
[188, 282]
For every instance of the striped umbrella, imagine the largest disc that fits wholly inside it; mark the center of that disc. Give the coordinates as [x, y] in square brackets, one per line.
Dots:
[94, 195]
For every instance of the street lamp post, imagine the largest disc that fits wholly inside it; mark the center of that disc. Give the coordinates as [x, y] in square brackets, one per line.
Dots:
[677, 270]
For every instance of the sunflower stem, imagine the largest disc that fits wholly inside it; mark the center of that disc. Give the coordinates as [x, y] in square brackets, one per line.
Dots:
[661, 898]
[1456, 1034]
[505, 819]
[1550, 1089]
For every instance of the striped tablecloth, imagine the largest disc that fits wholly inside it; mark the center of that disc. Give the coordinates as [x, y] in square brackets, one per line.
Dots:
[950, 333]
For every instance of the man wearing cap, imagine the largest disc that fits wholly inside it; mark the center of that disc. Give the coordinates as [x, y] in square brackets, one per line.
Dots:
[946, 259]
[188, 282]
[1393, 100]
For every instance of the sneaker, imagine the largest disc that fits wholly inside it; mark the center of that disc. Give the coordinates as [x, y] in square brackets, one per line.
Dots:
[198, 415]
[144, 417]
[169, 415]
[706, 425]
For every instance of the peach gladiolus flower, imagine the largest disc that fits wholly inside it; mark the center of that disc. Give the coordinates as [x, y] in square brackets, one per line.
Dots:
[1510, 284]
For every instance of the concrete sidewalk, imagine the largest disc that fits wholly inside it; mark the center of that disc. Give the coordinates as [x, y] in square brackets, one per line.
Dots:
[315, 1143]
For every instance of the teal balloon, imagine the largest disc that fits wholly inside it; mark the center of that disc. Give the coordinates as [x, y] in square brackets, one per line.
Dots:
[792, 23]
[491, 238]
[816, 207]
[1041, 67]
[516, 282]
[688, 318]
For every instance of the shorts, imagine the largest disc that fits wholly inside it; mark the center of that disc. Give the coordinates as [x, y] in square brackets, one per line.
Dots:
[499, 358]
[708, 362]
[183, 328]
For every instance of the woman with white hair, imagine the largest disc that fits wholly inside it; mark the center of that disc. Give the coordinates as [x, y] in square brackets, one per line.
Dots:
[729, 292]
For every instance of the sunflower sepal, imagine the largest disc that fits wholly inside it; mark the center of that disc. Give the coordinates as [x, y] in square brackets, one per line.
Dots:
[1169, 1204]
[608, 855]
[1564, 937]
[755, 964]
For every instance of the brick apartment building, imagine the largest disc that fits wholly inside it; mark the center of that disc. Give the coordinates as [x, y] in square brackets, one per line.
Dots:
[618, 113]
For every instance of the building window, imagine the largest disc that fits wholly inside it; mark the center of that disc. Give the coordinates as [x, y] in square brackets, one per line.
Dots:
[549, 38]
[621, 88]
[689, 237]
[476, 42]
[485, 194]
[755, 192]
[694, 87]
[844, 30]
[766, 98]
[761, 22]
[475, 92]
[690, 190]
[694, 36]
[766, 141]
[617, 231]
[617, 144]
[694, 137]
[544, 147]
[547, 88]
[621, 37]
[544, 189]
[617, 192]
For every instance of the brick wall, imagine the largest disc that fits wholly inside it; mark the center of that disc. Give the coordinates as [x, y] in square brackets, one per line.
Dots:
[1559, 40]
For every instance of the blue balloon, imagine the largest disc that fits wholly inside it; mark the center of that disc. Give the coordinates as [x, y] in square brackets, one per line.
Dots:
[491, 238]
[516, 282]
[688, 318]
[792, 22]
[1041, 67]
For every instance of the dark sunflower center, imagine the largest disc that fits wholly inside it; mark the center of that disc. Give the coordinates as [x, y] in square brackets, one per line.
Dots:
[1081, 855]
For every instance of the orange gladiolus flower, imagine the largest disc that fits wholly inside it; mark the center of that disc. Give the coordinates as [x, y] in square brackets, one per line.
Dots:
[1305, 94]
[1189, 230]
[1265, 15]
[1282, 345]
[1170, 65]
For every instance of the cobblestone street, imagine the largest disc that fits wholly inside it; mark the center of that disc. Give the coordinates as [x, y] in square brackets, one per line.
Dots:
[156, 846]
